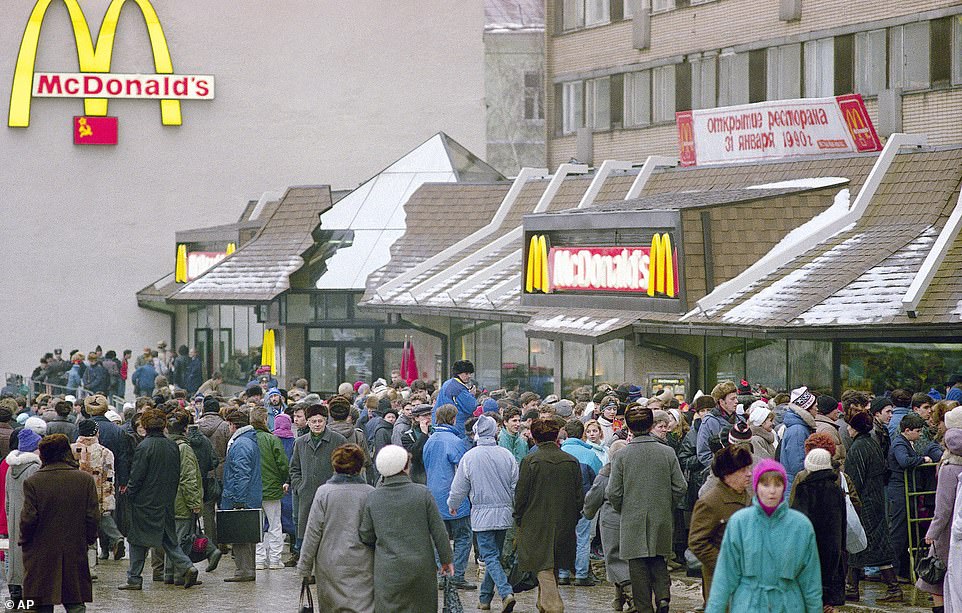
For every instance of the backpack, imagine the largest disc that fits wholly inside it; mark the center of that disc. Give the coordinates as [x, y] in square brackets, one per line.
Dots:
[207, 461]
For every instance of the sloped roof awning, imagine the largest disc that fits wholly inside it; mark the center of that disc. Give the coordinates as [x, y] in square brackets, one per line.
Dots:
[581, 326]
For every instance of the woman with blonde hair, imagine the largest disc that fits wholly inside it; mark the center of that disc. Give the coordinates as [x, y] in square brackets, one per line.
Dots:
[594, 436]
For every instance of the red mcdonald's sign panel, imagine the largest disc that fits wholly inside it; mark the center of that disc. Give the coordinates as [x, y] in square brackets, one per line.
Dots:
[94, 130]
[858, 122]
[686, 138]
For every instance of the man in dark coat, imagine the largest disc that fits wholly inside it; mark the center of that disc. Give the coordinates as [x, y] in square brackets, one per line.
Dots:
[311, 462]
[547, 505]
[95, 378]
[151, 492]
[59, 521]
[645, 486]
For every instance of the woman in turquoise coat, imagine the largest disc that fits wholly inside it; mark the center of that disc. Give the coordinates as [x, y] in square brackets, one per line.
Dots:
[769, 560]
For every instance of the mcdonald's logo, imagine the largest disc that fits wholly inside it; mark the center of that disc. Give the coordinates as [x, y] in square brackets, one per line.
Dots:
[642, 270]
[536, 273]
[92, 82]
[661, 266]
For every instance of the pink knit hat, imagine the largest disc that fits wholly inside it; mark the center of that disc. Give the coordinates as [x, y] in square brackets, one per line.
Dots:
[765, 466]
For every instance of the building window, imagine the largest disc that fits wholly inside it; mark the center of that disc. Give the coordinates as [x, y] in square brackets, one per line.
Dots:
[704, 79]
[940, 64]
[663, 93]
[732, 79]
[581, 13]
[909, 56]
[576, 367]
[820, 68]
[533, 96]
[598, 103]
[573, 105]
[757, 75]
[957, 50]
[870, 62]
[638, 98]
[541, 366]
[784, 72]
[662, 5]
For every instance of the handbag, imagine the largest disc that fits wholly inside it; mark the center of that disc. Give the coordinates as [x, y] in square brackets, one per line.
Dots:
[306, 595]
[452, 601]
[930, 568]
[521, 581]
[855, 539]
[197, 543]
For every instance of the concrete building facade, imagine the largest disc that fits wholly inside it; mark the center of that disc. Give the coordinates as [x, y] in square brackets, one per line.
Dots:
[618, 70]
[305, 92]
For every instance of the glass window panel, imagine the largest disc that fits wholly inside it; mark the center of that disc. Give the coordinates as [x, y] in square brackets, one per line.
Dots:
[597, 12]
[340, 334]
[870, 62]
[638, 98]
[733, 79]
[704, 82]
[956, 50]
[598, 103]
[882, 367]
[358, 364]
[784, 72]
[820, 68]
[299, 309]
[541, 366]
[610, 362]
[323, 369]
[514, 357]
[573, 105]
[810, 364]
[573, 14]
[337, 306]
[663, 93]
[909, 56]
[662, 5]
[487, 363]
[765, 364]
[576, 367]
[725, 360]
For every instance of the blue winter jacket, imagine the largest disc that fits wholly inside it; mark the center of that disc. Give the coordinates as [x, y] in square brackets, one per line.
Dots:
[583, 452]
[242, 472]
[903, 457]
[711, 425]
[456, 393]
[767, 564]
[73, 378]
[144, 377]
[442, 452]
[793, 445]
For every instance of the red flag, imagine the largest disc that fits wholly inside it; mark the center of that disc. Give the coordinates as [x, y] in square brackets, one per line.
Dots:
[94, 130]
[412, 373]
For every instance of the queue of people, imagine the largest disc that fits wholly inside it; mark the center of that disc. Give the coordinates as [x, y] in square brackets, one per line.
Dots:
[784, 501]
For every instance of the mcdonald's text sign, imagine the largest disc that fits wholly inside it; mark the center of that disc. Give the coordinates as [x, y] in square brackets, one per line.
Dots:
[776, 129]
[95, 83]
[645, 270]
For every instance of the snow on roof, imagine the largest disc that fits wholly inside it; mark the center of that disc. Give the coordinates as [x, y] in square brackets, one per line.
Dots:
[877, 293]
[808, 183]
[513, 15]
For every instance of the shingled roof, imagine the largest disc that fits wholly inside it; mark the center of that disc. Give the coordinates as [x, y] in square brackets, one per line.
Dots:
[258, 272]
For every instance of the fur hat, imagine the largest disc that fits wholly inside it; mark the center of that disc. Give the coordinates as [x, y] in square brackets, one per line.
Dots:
[211, 405]
[818, 459]
[96, 404]
[391, 460]
[862, 422]
[36, 424]
[826, 404]
[55, 448]
[953, 419]
[462, 366]
[8, 406]
[28, 440]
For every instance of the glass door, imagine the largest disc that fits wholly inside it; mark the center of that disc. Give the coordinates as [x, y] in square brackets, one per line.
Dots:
[323, 368]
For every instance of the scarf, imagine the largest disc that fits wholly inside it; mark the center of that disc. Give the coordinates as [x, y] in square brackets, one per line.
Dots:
[765, 434]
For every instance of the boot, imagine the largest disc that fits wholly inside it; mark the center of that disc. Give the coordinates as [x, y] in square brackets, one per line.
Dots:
[851, 586]
[894, 591]
[618, 604]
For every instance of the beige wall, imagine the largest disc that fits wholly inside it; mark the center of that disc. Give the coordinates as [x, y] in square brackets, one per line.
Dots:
[306, 93]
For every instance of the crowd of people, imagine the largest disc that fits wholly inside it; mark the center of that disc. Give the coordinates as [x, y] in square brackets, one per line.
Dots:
[379, 494]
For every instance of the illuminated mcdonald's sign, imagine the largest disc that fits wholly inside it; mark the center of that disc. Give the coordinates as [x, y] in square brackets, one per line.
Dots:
[651, 270]
[92, 83]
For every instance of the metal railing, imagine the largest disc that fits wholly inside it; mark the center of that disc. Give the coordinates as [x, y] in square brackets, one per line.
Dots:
[919, 510]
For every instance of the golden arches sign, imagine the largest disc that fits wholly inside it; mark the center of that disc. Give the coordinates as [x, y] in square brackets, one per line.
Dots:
[93, 59]
[536, 273]
[661, 266]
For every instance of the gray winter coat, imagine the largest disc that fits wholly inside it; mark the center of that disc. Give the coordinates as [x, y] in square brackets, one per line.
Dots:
[645, 486]
[22, 465]
[402, 425]
[311, 468]
[609, 522]
[487, 474]
[333, 552]
[402, 523]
